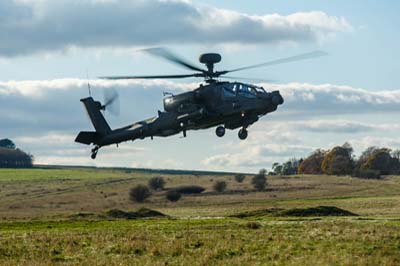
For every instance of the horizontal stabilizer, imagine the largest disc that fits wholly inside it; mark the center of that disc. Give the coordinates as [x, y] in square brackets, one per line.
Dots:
[86, 137]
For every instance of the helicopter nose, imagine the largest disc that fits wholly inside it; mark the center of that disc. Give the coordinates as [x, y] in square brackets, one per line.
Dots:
[277, 98]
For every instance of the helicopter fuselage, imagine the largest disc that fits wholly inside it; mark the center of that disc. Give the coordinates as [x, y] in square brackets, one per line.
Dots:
[228, 105]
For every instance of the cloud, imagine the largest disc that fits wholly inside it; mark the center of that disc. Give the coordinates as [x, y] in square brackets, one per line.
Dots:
[33, 26]
[256, 155]
[303, 99]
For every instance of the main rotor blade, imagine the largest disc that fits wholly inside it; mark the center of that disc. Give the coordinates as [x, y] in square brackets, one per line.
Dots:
[168, 55]
[154, 77]
[251, 79]
[299, 57]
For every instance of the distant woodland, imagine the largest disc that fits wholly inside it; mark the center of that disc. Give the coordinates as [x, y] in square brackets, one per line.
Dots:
[340, 160]
[12, 157]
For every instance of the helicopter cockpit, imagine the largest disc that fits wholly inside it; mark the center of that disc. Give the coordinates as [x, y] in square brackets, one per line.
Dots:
[242, 89]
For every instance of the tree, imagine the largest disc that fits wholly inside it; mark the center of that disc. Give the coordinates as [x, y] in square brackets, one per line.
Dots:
[396, 154]
[365, 155]
[290, 167]
[139, 193]
[338, 161]
[173, 195]
[15, 158]
[157, 183]
[240, 178]
[312, 164]
[220, 186]
[259, 181]
[381, 160]
[277, 168]
[7, 143]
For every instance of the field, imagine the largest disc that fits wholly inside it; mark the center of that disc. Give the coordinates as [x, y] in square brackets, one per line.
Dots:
[58, 217]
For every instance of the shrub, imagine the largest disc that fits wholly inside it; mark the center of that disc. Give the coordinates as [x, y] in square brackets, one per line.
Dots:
[189, 189]
[173, 195]
[157, 183]
[253, 225]
[219, 186]
[240, 178]
[139, 193]
[259, 181]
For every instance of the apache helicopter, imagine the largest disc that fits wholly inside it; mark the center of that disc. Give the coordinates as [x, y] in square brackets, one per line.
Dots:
[215, 103]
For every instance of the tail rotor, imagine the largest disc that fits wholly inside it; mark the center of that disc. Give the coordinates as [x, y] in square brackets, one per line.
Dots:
[111, 101]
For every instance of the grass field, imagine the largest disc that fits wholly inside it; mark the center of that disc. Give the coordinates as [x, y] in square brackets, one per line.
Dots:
[56, 217]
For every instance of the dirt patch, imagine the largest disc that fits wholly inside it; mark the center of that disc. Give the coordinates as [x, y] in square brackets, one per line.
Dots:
[297, 212]
[141, 213]
[316, 211]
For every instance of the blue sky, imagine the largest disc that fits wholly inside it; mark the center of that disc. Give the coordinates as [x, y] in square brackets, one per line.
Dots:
[353, 94]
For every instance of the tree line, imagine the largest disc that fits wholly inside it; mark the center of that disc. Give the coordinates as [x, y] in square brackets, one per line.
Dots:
[12, 157]
[340, 160]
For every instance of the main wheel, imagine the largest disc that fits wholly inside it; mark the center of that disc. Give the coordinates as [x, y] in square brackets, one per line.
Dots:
[242, 134]
[220, 131]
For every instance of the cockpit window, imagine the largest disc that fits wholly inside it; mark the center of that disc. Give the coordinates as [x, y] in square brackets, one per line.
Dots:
[229, 90]
[260, 89]
[247, 91]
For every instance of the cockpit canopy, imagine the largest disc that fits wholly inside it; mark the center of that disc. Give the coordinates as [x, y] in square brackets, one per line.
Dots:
[247, 90]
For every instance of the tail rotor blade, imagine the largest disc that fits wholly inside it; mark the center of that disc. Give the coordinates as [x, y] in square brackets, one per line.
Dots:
[111, 101]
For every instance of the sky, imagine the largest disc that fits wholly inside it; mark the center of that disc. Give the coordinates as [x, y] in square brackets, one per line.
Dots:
[49, 47]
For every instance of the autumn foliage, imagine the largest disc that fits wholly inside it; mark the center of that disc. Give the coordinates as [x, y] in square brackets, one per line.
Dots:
[312, 164]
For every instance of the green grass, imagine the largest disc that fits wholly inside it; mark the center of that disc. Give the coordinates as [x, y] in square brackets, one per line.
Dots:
[202, 242]
[57, 217]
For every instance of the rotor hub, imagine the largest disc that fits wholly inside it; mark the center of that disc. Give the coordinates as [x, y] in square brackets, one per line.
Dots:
[210, 58]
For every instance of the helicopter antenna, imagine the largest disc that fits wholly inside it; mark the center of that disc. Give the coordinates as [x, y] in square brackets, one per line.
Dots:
[88, 83]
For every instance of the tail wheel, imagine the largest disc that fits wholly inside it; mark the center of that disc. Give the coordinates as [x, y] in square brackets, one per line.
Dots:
[220, 131]
[243, 134]
[94, 152]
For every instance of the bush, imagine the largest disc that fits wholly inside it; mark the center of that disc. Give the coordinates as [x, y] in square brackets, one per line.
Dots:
[173, 195]
[139, 193]
[189, 189]
[253, 225]
[157, 183]
[259, 181]
[239, 178]
[220, 186]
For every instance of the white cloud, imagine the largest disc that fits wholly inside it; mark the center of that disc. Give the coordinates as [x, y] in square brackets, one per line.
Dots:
[33, 26]
[303, 99]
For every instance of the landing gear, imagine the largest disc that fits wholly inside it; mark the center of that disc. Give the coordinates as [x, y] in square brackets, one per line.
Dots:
[242, 134]
[94, 152]
[220, 131]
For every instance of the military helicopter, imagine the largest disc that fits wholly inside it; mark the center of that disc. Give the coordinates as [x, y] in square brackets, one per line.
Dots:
[215, 103]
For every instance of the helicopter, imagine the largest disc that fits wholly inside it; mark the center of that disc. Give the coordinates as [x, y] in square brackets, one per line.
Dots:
[215, 103]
